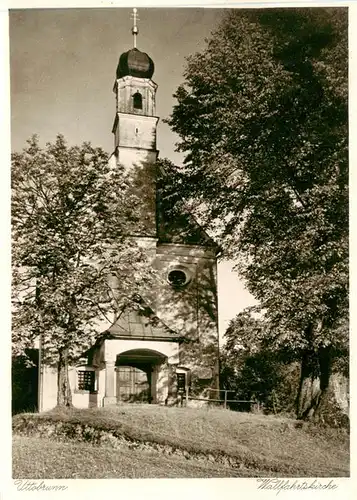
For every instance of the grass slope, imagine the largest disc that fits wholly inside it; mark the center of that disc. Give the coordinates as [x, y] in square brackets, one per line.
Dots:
[261, 444]
[41, 458]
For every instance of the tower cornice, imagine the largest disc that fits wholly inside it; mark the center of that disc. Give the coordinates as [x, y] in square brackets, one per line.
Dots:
[134, 79]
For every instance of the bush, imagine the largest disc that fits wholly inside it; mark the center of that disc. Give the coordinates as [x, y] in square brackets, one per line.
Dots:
[264, 378]
[25, 382]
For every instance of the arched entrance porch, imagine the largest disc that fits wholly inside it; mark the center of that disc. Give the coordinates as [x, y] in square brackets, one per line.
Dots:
[156, 359]
[141, 376]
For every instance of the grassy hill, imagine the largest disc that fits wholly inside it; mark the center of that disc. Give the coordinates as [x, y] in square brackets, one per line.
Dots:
[155, 441]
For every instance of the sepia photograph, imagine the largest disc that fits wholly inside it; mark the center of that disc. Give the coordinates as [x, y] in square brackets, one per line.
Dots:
[180, 244]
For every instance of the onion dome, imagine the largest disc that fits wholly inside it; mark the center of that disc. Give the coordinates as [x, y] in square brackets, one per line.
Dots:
[135, 63]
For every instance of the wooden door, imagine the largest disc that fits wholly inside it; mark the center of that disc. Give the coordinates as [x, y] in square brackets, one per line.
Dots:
[132, 385]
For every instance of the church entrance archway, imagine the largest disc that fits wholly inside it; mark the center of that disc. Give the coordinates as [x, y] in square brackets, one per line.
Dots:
[140, 376]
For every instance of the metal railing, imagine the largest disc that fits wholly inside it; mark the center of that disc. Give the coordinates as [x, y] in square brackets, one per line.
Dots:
[185, 395]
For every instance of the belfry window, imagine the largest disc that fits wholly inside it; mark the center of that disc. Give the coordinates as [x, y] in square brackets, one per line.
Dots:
[137, 101]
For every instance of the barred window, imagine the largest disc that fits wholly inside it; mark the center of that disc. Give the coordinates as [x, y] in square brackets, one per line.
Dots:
[181, 382]
[86, 380]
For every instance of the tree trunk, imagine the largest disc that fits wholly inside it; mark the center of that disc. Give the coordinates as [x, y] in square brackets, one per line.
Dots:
[325, 362]
[316, 398]
[333, 407]
[309, 387]
[64, 395]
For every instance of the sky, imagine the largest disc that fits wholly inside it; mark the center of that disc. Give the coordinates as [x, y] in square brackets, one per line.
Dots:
[62, 71]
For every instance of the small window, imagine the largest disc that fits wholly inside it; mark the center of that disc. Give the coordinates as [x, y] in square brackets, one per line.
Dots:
[181, 382]
[86, 380]
[137, 101]
[177, 278]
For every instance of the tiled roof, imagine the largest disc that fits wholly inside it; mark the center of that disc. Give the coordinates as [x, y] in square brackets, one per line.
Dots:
[174, 226]
[181, 229]
[138, 322]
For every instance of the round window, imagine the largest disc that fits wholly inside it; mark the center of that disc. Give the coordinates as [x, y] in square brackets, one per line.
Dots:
[178, 278]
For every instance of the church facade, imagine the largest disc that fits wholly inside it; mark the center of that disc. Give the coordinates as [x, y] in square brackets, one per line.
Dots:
[167, 343]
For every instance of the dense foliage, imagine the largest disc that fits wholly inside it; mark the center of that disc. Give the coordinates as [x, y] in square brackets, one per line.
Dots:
[263, 120]
[70, 251]
[254, 369]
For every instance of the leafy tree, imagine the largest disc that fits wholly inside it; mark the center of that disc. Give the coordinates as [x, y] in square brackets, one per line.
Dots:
[262, 117]
[253, 368]
[242, 340]
[73, 265]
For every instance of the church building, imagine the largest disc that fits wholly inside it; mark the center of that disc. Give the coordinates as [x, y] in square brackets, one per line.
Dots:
[160, 347]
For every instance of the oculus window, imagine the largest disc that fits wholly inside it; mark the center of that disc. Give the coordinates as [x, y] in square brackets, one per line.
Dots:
[179, 277]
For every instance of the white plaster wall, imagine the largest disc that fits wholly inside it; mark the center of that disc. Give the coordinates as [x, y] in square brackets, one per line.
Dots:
[113, 347]
[161, 375]
[79, 399]
[136, 131]
[130, 157]
[86, 399]
[49, 388]
[178, 309]
[192, 310]
[101, 386]
[185, 252]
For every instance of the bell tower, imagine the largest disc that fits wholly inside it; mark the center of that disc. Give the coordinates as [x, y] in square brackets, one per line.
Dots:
[166, 341]
[134, 131]
[135, 122]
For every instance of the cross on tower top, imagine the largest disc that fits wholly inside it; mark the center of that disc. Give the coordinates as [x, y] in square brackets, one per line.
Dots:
[135, 29]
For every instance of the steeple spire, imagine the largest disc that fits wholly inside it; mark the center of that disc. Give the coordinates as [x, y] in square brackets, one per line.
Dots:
[135, 29]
